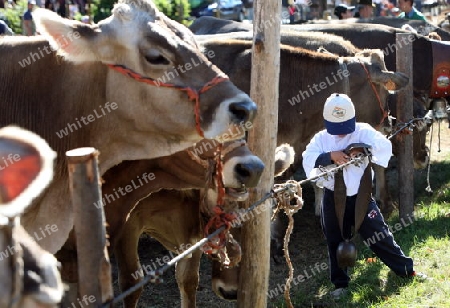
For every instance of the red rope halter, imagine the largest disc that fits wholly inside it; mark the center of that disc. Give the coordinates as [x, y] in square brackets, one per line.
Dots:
[383, 111]
[193, 94]
[220, 217]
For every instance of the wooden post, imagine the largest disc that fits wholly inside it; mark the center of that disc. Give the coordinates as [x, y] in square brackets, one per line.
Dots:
[255, 241]
[94, 272]
[404, 114]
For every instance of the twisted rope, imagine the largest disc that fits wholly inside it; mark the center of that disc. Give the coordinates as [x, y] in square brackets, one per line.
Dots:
[284, 202]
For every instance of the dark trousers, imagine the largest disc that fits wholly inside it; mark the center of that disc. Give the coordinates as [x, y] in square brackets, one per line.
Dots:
[374, 232]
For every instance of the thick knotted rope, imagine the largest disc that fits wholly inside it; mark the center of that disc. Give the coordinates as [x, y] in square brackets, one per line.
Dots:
[289, 201]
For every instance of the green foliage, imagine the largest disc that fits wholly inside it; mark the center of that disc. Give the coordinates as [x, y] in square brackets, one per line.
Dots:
[165, 7]
[13, 16]
[178, 10]
[101, 9]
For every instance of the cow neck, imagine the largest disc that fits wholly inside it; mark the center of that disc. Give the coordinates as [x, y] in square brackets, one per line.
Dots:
[193, 94]
[372, 84]
[343, 67]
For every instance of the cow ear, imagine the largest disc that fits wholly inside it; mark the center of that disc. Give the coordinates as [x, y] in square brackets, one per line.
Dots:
[284, 157]
[71, 39]
[392, 81]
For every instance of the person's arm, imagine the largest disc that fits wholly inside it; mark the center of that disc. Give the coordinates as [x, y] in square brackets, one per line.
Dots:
[381, 147]
[8, 30]
[314, 155]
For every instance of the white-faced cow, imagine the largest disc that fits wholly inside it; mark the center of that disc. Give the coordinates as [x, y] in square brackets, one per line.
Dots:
[180, 225]
[134, 86]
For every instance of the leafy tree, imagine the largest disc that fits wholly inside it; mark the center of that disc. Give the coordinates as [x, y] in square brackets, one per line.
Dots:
[101, 9]
[13, 16]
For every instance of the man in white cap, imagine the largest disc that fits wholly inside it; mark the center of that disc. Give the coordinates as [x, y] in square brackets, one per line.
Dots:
[347, 200]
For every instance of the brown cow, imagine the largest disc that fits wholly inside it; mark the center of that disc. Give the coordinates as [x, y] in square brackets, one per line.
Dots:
[307, 78]
[126, 86]
[176, 227]
[337, 45]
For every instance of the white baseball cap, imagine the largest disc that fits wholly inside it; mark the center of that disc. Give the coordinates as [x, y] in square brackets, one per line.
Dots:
[339, 114]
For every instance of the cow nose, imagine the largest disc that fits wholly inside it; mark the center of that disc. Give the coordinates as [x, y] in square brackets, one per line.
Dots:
[230, 295]
[243, 111]
[249, 173]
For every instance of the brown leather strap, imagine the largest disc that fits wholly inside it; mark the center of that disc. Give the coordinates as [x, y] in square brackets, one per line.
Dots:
[340, 196]
[363, 197]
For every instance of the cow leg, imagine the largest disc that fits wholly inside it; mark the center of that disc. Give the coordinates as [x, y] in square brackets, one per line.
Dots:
[130, 270]
[318, 197]
[382, 195]
[67, 256]
[278, 230]
[187, 274]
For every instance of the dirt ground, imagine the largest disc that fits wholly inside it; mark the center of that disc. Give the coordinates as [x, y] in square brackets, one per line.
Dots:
[307, 247]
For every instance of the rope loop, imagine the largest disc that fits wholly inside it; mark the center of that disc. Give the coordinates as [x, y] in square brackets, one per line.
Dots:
[290, 199]
[218, 244]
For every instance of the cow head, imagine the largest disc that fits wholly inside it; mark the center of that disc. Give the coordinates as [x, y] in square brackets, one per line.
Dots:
[370, 77]
[225, 281]
[165, 75]
[241, 168]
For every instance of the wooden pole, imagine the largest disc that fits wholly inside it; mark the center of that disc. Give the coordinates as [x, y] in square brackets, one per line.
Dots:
[94, 272]
[404, 114]
[255, 241]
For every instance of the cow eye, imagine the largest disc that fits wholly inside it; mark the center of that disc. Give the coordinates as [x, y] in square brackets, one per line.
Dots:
[155, 58]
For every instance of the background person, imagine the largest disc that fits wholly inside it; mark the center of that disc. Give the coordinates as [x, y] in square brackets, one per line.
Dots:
[28, 24]
[326, 148]
[409, 11]
[365, 9]
[343, 11]
[4, 29]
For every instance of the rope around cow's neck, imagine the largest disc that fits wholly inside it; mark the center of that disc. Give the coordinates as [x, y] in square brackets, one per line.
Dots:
[193, 94]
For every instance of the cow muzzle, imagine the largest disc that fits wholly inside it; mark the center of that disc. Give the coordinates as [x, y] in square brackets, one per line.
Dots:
[244, 111]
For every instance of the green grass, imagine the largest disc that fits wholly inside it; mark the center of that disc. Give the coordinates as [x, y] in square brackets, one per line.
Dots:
[426, 240]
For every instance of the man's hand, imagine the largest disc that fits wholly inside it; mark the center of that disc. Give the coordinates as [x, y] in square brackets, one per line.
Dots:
[339, 157]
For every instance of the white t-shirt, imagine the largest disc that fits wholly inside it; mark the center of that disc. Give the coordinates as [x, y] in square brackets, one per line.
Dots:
[322, 142]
